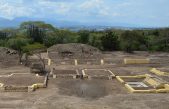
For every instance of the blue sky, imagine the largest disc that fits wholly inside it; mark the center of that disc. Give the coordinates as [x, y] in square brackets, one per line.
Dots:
[137, 12]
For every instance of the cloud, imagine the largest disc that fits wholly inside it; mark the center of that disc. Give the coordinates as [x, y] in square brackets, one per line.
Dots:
[11, 11]
[42, 8]
[54, 7]
[61, 0]
[130, 11]
[91, 4]
[94, 8]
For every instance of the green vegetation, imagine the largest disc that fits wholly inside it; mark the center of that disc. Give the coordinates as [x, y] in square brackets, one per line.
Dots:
[132, 40]
[33, 47]
[31, 36]
[110, 41]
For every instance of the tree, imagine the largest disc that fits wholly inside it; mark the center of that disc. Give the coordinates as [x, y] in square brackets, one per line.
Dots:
[36, 49]
[50, 40]
[3, 35]
[3, 38]
[36, 33]
[17, 44]
[165, 40]
[84, 36]
[160, 41]
[95, 40]
[2, 43]
[42, 62]
[30, 48]
[110, 41]
[131, 40]
[39, 24]
[37, 30]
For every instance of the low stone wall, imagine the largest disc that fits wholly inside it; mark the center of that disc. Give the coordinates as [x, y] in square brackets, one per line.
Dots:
[16, 88]
[136, 61]
[159, 73]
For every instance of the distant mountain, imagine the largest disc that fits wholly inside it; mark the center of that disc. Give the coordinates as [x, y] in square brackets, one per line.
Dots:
[7, 23]
[72, 25]
[4, 23]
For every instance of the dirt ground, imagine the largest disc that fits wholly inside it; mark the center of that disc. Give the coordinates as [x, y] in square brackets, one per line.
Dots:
[21, 80]
[14, 69]
[60, 95]
[88, 94]
[98, 72]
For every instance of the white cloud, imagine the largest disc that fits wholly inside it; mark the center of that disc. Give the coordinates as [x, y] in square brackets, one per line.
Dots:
[56, 7]
[11, 11]
[131, 11]
[94, 8]
[43, 8]
[14, 1]
[91, 4]
[99, 8]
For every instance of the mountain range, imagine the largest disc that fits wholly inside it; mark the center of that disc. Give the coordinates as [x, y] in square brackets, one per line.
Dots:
[6, 23]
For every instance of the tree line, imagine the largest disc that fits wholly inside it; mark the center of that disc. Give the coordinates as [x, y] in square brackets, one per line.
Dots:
[35, 35]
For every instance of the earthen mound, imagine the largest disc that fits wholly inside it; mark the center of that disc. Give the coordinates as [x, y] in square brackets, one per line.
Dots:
[74, 51]
[8, 57]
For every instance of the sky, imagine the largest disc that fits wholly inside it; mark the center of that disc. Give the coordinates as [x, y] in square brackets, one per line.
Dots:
[153, 13]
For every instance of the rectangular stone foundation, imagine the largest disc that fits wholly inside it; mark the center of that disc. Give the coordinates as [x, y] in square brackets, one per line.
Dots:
[22, 82]
[98, 74]
[59, 73]
[145, 84]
